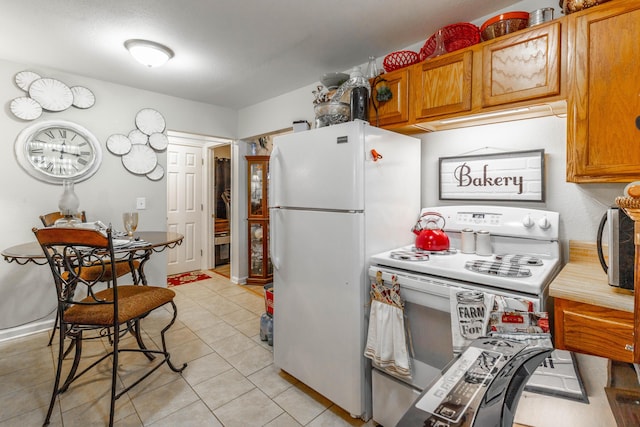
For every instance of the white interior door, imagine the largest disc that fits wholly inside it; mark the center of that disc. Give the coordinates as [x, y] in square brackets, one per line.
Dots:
[184, 206]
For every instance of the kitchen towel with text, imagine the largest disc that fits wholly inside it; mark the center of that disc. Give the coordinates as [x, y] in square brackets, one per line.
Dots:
[387, 338]
[470, 311]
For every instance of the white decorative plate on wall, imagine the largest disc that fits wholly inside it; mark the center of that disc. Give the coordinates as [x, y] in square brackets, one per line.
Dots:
[140, 160]
[150, 121]
[158, 141]
[137, 137]
[82, 97]
[118, 144]
[157, 173]
[25, 108]
[25, 78]
[51, 94]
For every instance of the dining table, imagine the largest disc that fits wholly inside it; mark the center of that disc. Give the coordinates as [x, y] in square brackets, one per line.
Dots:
[140, 247]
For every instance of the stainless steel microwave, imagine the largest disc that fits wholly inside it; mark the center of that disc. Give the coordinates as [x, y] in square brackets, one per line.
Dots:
[621, 248]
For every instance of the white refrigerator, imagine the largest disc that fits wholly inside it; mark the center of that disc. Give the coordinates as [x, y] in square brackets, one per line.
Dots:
[338, 195]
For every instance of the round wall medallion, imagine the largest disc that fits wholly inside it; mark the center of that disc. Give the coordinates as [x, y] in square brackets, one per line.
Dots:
[51, 94]
[150, 121]
[25, 108]
[82, 97]
[140, 160]
[118, 144]
[158, 141]
[157, 173]
[25, 78]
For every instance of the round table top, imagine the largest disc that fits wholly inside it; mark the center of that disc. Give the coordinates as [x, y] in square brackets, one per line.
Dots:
[155, 239]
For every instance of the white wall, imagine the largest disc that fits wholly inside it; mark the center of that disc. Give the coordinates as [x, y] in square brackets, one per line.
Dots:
[580, 205]
[26, 292]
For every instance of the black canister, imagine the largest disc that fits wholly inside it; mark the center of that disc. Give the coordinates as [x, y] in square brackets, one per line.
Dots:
[360, 103]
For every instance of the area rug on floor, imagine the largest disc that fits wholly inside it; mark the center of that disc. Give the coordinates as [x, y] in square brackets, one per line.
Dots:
[558, 376]
[188, 277]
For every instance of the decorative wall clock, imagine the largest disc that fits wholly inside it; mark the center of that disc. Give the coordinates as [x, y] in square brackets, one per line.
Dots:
[57, 150]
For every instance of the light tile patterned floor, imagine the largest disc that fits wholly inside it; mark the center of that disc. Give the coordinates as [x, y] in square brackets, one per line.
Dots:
[230, 380]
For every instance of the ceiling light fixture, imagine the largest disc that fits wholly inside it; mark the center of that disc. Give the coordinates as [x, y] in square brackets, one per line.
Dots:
[148, 53]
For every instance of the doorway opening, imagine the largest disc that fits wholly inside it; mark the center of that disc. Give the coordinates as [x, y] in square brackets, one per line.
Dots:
[198, 175]
[221, 201]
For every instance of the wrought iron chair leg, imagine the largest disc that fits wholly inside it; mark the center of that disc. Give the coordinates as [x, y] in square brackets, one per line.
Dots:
[56, 383]
[164, 343]
[76, 362]
[135, 331]
[53, 333]
[114, 374]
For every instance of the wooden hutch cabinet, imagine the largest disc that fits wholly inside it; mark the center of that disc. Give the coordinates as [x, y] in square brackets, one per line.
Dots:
[260, 267]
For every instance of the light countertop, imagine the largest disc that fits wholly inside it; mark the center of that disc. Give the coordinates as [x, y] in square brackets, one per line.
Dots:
[583, 280]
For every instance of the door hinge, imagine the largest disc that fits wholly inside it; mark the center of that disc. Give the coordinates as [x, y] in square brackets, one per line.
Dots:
[201, 253]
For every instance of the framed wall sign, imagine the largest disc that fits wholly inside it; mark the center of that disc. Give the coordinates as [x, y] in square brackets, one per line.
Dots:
[510, 176]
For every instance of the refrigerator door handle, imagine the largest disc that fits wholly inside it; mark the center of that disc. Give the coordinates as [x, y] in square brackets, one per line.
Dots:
[271, 177]
[275, 261]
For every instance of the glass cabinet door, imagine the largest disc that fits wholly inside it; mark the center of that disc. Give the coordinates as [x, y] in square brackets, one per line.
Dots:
[260, 267]
[256, 202]
[256, 249]
[257, 168]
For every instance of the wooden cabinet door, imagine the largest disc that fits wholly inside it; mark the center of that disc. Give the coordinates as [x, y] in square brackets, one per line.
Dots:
[593, 330]
[603, 104]
[442, 85]
[396, 109]
[523, 66]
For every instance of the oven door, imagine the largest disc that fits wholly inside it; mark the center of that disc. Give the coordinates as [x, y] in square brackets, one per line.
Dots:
[428, 319]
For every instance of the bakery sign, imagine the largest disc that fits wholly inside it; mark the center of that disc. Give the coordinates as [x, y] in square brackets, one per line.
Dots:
[510, 176]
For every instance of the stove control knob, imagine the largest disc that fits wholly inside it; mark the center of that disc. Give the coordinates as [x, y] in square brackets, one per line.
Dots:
[527, 221]
[544, 223]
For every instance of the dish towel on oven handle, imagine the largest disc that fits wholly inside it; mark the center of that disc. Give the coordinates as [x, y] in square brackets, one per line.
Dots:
[387, 338]
[470, 312]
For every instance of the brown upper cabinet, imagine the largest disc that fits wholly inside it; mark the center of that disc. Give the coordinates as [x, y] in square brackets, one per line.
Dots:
[395, 110]
[442, 85]
[525, 66]
[603, 103]
[516, 70]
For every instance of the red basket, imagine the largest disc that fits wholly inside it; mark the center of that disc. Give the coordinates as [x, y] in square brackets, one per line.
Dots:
[400, 59]
[268, 299]
[455, 36]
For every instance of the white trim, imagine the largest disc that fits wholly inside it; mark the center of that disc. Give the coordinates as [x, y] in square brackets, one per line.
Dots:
[28, 329]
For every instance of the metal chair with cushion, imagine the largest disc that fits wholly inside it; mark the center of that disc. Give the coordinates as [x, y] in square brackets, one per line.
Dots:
[123, 267]
[87, 309]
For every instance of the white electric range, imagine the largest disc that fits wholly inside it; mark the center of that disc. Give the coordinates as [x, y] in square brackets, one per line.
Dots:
[525, 257]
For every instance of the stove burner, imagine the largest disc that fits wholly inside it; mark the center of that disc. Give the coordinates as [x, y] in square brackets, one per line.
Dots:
[446, 252]
[497, 268]
[409, 255]
[519, 259]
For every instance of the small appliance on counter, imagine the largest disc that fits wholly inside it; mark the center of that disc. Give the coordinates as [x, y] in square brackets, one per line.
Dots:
[621, 249]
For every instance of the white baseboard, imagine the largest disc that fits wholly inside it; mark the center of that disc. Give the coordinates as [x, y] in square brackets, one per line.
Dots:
[28, 329]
